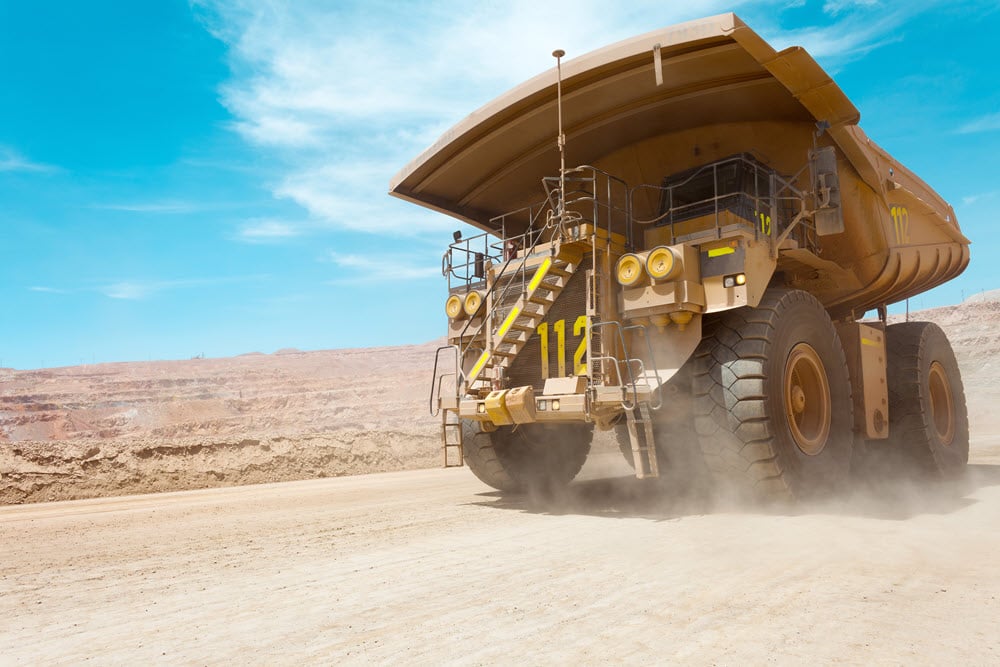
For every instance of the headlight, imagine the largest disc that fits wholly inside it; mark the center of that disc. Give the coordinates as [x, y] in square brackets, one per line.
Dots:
[453, 307]
[473, 301]
[629, 270]
[664, 263]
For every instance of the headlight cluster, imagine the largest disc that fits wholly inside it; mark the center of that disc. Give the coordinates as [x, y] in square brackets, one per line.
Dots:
[458, 308]
[661, 264]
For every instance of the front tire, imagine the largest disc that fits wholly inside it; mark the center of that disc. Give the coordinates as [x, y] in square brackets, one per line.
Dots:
[773, 408]
[529, 457]
[928, 420]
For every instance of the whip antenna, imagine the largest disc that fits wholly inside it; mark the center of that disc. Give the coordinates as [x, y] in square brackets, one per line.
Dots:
[558, 54]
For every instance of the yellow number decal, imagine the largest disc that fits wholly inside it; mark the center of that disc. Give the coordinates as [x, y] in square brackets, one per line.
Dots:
[901, 223]
[543, 334]
[580, 327]
[765, 224]
[560, 329]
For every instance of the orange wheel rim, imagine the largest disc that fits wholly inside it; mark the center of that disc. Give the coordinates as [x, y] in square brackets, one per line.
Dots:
[807, 399]
[942, 403]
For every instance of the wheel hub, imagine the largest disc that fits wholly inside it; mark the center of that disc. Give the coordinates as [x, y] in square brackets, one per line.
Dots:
[807, 399]
[942, 404]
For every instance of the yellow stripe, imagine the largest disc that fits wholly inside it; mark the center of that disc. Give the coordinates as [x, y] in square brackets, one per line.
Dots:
[508, 322]
[479, 364]
[539, 274]
[868, 341]
[719, 252]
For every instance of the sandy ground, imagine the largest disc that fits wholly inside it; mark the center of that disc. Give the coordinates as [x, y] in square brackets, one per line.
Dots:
[429, 566]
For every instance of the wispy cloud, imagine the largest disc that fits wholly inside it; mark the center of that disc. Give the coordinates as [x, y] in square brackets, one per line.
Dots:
[151, 207]
[268, 231]
[48, 290]
[835, 7]
[987, 123]
[381, 268]
[972, 199]
[141, 289]
[11, 160]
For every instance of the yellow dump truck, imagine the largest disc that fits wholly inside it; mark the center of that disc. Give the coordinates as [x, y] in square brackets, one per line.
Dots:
[696, 282]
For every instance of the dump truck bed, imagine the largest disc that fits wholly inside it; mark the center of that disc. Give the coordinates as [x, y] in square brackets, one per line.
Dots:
[684, 96]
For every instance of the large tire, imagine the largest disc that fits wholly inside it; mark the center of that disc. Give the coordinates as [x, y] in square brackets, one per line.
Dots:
[928, 421]
[773, 408]
[529, 457]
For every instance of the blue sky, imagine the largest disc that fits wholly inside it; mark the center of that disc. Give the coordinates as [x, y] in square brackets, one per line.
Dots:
[210, 177]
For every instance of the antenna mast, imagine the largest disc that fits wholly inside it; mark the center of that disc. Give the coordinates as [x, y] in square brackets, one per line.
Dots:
[561, 140]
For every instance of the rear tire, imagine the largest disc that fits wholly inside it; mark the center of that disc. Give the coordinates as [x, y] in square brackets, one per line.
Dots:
[529, 457]
[928, 421]
[773, 408]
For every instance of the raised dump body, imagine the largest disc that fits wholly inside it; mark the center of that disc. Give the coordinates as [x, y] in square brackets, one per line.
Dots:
[728, 220]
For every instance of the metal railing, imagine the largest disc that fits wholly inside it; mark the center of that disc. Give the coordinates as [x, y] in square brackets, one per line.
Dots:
[770, 203]
[628, 362]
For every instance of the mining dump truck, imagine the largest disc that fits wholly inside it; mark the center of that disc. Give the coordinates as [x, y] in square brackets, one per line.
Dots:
[698, 280]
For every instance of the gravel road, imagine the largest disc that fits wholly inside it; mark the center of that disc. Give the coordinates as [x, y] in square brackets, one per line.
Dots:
[429, 566]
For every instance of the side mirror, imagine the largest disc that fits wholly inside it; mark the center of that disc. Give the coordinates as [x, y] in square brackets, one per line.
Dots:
[828, 216]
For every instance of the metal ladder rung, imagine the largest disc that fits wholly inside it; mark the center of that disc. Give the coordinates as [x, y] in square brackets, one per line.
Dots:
[643, 445]
[451, 438]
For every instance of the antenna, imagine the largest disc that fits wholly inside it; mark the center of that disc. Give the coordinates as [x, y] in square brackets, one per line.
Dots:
[561, 140]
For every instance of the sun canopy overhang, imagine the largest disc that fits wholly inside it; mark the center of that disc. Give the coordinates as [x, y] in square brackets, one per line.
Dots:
[714, 70]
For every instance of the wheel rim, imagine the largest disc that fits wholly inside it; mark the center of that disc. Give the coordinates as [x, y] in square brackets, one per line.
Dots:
[942, 405]
[807, 399]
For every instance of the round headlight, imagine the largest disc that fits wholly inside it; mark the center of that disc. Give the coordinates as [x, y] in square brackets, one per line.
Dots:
[453, 306]
[629, 270]
[663, 263]
[473, 301]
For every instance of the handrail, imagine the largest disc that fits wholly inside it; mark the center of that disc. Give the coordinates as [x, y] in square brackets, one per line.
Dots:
[533, 234]
[436, 381]
[489, 296]
[764, 204]
[621, 339]
[652, 360]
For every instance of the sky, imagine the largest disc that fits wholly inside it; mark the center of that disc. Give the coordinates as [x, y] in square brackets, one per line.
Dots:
[209, 177]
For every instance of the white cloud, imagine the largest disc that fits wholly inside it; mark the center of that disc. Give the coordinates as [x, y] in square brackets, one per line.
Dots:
[381, 268]
[151, 207]
[972, 199]
[987, 123]
[264, 231]
[11, 160]
[47, 290]
[835, 7]
[142, 289]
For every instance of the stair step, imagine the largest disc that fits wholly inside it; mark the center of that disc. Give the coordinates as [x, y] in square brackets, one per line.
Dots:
[559, 271]
[515, 338]
[522, 327]
[541, 300]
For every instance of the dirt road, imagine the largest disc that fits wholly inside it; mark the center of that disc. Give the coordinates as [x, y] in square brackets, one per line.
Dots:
[429, 566]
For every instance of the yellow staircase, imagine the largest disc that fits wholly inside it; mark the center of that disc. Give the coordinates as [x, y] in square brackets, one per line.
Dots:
[527, 312]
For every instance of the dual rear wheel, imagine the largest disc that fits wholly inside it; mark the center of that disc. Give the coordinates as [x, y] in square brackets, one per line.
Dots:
[774, 413]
